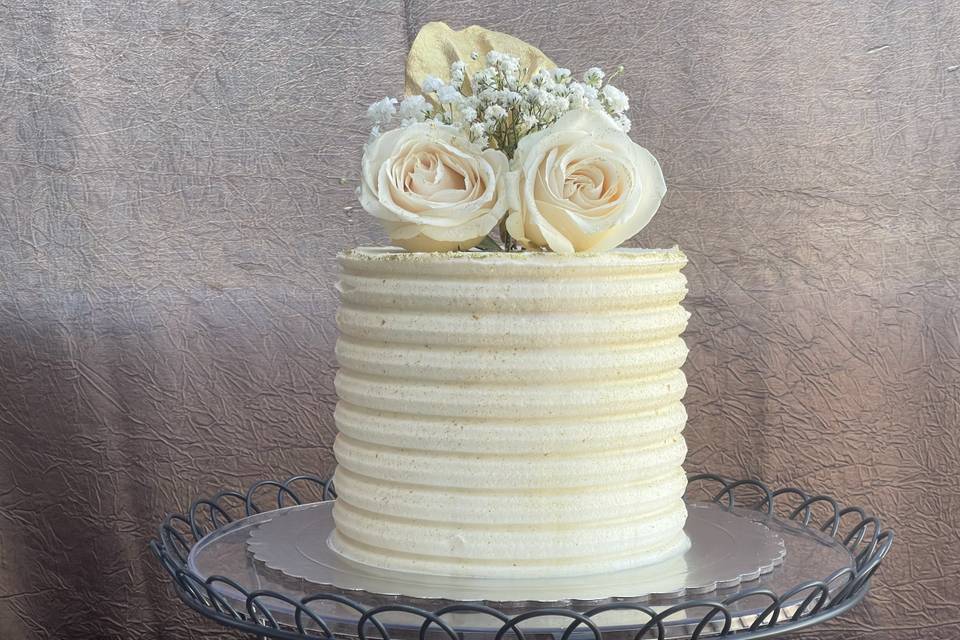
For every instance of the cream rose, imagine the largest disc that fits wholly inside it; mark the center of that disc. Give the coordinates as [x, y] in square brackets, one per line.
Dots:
[431, 188]
[584, 186]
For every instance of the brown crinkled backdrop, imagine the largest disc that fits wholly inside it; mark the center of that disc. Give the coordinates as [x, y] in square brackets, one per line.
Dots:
[176, 178]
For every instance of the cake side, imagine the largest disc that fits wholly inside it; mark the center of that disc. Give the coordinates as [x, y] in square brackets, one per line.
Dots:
[510, 414]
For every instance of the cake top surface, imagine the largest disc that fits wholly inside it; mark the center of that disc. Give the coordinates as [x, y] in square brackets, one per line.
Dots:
[620, 257]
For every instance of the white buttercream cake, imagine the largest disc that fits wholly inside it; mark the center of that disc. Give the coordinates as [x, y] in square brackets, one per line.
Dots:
[510, 414]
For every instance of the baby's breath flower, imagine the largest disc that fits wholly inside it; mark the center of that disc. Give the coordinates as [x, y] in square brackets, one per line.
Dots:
[589, 98]
[556, 107]
[467, 113]
[477, 131]
[382, 111]
[483, 79]
[510, 65]
[617, 100]
[577, 95]
[448, 94]
[503, 107]
[504, 62]
[457, 71]
[541, 77]
[432, 84]
[593, 76]
[496, 112]
[414, 108]
[508, 98]
[483, 100]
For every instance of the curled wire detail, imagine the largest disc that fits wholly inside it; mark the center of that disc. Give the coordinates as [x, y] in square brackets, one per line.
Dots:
[861, 533]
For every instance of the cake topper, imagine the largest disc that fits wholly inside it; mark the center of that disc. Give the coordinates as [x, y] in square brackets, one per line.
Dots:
[497, 148]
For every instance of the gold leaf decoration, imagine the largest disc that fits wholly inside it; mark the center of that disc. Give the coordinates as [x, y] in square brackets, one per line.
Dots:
[437, 46]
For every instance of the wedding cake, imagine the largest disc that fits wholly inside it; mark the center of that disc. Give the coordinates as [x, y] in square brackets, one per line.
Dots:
[510, 414]
[509, 385]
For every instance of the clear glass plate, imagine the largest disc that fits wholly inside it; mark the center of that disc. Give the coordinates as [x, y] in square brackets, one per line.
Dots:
[731, 552]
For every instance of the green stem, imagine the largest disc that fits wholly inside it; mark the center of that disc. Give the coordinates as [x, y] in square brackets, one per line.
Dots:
[509, 244]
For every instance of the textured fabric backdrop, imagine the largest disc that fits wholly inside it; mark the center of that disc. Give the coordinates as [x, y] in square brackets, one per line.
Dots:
[177, 177]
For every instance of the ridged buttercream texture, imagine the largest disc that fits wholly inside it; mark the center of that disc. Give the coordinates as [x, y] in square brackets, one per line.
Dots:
[510, 414]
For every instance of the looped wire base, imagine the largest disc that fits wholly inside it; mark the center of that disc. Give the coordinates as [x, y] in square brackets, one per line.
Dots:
[235, 590]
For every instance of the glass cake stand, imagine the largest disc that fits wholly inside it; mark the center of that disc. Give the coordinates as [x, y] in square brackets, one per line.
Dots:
[762, 563]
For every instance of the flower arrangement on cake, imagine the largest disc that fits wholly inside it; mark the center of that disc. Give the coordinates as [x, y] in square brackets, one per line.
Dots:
[502, 150]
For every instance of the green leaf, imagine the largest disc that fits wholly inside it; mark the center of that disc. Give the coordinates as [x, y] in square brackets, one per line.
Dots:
[489, 244]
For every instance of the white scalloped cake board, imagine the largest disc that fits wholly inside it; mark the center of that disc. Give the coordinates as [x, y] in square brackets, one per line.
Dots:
[726, 549]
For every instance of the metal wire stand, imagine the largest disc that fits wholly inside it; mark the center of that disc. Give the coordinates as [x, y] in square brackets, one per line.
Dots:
[711, 615]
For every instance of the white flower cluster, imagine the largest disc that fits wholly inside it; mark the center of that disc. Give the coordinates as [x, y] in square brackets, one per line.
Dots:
[497, 106]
